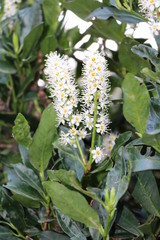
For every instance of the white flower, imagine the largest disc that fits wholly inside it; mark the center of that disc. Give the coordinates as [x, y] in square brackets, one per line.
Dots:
[95, 85]
[89, 123]
[82, 133]
[64, 138]
[73, 132]
[97, 154]
[102, 123]
[62, 86]
[10, 9]
[108, 143]
[151, 10]
[76, 119]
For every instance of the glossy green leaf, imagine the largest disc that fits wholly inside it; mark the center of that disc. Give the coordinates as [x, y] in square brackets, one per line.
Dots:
[152, 140]
[119, 177]
[26, 201]
[69, 226]
[48, 44]
[136, 102]
[7, 68]
[21, 131]
[67, 151]
[31, 40]
[82, 8]
[28, 176]
[153, 125]
[120, 141]
[146, 193]
[41, 147]
[147, 52]
[65, 177]
[23, 189]
[155, 76]
[68, 178]
[51, 11]
[128, 59]
[72, 203]
[106, 165]
[142, 162]
[30, 17]
[129, 222]
[71, 158]
[49, 235]
[106, 12]
[13, 210]
[24, 152]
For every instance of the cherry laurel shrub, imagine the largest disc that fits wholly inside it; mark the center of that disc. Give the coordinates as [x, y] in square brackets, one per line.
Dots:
[75, 177]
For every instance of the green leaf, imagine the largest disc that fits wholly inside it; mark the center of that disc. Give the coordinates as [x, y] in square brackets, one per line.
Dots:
[23, 189]
[4, 78]
[28, 176]
[69, 226]
[104, 29]
[153, 125]
[71, 158]
[30, 17]
[21, 131]
[51, 11]
[136, 102]
[24, 152]
[26, 201]
[147, 52]
[119, 177]
[68, 178]
[72, 204]
[6, 234]
[48, 44]
[142, 162]
[106, 12]
[152, 140]
[49, 235]
[151, 75]
[82, 8]
[13, 210]
[31, 40]
[7, 68]
[65, 177]
[6, 53]
[106, 165]
[119, 142]
[129, 222]
[128, 59]
[146, 193]
[67, 151]
[41, 147]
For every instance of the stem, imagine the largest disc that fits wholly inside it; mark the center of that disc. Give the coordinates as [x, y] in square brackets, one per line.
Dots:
[13, 93]
[45, 224]
[80, 151]
[93, 134]
[106, 231]
[18, 232]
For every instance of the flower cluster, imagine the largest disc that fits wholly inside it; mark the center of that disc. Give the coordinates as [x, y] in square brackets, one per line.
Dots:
[151, 10]
[93, 105]
[64, 93]
[95, 94]
[10, 8]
